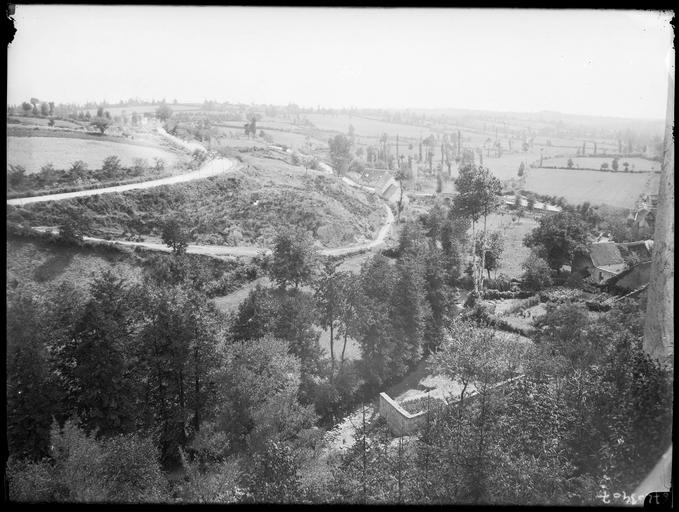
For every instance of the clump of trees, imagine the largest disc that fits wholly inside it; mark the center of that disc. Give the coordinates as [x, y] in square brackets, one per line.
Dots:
[558, 238]
[478, 192]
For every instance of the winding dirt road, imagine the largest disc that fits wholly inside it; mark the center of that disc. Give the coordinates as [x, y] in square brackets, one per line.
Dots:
[211, 168]
[230, 251]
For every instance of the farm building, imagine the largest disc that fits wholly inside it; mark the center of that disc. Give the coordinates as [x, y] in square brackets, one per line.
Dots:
[389, 189]
[601, 262]
[642, 215]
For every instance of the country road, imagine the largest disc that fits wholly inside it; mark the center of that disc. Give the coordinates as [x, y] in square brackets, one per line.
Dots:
[246, 250]
[211, 168]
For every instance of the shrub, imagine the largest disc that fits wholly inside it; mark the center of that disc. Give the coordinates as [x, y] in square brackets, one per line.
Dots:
[111, 166]
[502, 283]
[31, 482]
[139, 166]
[537, 274]
[574, 280]
[495, 294]
[130, 464]
[78, 167]
[16, 175]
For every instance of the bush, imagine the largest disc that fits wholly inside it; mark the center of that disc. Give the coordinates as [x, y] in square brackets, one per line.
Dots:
[502, 283]
[31, 482]
[560, 295]
[84, 469]
[496, 294]
[537, 274]
[574, 280]
[131, 466]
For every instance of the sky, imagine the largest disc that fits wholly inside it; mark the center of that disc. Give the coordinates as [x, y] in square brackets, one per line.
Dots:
[593, 62]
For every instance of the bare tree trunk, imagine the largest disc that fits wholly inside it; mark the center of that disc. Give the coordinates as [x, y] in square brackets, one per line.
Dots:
[483, 251]
[332, 351]
[400, 466]
[398, 163]
[659, 327]
[476, 281]
[344, 347]
[365, 462]
[196, 389]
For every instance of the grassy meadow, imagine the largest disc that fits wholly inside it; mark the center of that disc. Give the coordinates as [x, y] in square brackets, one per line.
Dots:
[577, 186]
[34, 152]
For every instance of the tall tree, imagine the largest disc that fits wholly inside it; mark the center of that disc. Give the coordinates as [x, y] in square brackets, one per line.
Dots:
[408, 313]
[330, 295]
[477, 197]
[175, 236]
[340, 153]
[164, 112]
[294, 258]
[96, 362]
[493, 251]
[377, 282]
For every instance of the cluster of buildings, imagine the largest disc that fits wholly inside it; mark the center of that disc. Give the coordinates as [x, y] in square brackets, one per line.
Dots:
[623, 266]
[642, 216]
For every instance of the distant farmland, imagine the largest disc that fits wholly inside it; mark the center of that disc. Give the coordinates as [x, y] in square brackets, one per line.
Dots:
[34, 152]
[577, 186]
[363, 126]
[591, 162]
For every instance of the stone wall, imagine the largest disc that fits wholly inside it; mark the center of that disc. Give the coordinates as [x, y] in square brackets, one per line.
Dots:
[400, 421]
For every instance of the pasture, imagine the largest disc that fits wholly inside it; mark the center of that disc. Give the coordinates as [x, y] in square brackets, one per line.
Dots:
[635, 163]
[296, 141]
[577, 186]
[513, 232]
[364, 126]
[34, 152]
[142, 109]
[43, 122]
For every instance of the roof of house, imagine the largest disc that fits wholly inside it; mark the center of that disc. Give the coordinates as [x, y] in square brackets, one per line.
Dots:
[604, 254]
[384, 184]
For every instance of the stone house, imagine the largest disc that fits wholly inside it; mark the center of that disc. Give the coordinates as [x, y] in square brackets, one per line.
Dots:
[601, 262]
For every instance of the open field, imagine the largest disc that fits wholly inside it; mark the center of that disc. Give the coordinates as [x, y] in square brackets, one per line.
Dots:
[635, 163]
[513, 233]
[42, 121]
[507, 166]
[281, 133]
[118, 110]
[577, 186]
[34, 152]
[363, 126]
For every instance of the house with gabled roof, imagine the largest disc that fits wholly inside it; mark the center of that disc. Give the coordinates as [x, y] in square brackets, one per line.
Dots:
[600, 262]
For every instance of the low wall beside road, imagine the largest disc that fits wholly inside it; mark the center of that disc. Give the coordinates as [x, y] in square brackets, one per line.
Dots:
[400, 421]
